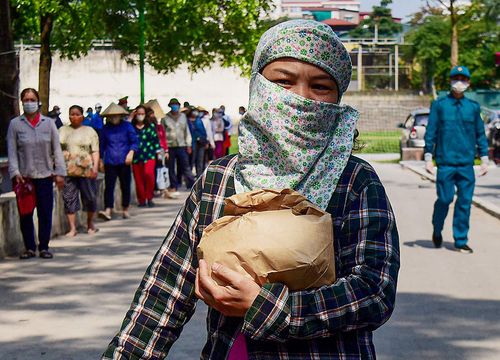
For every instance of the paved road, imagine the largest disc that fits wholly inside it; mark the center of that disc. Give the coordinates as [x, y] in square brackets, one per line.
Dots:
[448, 304]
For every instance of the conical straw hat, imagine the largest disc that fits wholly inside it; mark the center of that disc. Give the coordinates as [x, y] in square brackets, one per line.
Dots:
[155, 106]
[114, 109]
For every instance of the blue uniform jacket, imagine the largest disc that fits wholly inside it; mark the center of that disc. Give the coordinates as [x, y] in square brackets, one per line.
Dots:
[455, 132]
[116, 141]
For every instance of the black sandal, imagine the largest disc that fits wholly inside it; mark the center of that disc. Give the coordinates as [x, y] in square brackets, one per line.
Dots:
[28, 254]
[45, 254]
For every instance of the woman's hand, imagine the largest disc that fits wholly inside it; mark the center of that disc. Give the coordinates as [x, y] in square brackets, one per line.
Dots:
[232, 299]
[129, 158]
[101, 166]
[59, 181]
[19, 179]
[94, 173]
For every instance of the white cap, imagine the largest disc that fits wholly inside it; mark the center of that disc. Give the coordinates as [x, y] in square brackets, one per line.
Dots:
[98, 105]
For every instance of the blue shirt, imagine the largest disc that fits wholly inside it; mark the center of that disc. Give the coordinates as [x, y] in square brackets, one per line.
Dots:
[198, 130]
[87, 121]
[97, 122]
[455, 132]
[116, 141]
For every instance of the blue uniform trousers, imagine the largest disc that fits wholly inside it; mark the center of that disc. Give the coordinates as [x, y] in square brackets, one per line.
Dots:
[448, 178]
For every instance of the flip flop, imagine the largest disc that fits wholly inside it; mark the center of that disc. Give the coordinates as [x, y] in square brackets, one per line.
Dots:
[92, 231]
[104, 215]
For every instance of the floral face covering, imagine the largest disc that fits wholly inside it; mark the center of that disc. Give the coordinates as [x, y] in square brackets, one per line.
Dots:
[288, 141]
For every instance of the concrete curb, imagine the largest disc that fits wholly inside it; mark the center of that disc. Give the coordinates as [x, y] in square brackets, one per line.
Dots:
[484, 205]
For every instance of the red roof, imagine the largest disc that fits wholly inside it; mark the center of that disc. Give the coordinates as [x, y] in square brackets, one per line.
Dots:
[338, 22]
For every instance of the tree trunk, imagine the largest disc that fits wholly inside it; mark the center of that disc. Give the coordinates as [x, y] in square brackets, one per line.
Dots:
[46, 22]
[454, 34]
[9, 75]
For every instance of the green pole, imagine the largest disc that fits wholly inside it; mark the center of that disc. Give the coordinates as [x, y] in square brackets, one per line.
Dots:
[141, 46]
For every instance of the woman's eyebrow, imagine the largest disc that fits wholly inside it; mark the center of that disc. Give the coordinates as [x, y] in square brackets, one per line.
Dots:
[285, 72]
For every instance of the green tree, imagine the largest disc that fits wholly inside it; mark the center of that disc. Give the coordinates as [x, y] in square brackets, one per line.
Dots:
[9, 76]
[63, 25]
[379, 23]
[197, 33]
[431, 49]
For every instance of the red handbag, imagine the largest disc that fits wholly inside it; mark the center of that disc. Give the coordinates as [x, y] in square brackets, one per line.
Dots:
[26, 197]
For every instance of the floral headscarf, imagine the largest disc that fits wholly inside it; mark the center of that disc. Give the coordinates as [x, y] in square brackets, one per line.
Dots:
[286, 140]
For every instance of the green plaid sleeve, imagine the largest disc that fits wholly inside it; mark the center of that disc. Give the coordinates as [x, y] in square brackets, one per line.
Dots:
[362, 297]
[165, 299]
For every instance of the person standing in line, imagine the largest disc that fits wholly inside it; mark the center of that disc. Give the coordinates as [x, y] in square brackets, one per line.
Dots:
[228, 126]
[162, 156]
[97, 121]
[118, 143]
[87, 121]
[144, 163]
[454, 135]
[218, 131]
[35, 156]
[200, 140]
[80, 146]
[209, 153]
[123, 102]
[55, 114]
[179, 146]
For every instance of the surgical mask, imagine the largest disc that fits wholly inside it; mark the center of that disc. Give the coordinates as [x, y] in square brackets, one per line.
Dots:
[140, 118]
[30, 107]
[175, 107]
[459, 86]
[196, 113]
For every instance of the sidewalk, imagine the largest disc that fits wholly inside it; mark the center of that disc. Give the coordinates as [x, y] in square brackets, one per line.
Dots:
[486, 192]
[68, 308]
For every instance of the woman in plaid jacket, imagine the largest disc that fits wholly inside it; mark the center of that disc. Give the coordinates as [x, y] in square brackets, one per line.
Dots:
[294, 135]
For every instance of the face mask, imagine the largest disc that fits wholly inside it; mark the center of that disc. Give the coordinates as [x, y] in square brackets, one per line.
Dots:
[140, 118]
[459, 86]
[288, 141]
[114, 120]
[175, 107]
[30, 107]
[195, 114]
[58, 112]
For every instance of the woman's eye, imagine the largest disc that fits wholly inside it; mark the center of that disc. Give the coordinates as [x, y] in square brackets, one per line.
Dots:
[322, 87]
[282, 82]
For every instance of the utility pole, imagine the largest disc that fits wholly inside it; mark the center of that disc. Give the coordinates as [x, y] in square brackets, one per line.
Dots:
[140, 3]
[360, 67]
[396, 68]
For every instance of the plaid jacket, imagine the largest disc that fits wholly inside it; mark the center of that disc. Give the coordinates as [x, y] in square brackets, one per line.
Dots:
[332, 322]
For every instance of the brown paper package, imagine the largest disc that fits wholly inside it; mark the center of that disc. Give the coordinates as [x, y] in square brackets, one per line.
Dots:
[273, 236]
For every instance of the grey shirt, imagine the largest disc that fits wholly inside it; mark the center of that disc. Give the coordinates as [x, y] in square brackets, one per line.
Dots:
[177, 130]
[34, 152]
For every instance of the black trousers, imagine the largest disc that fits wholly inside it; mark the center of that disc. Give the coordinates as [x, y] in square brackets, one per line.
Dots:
[111, 173]
[44, 204]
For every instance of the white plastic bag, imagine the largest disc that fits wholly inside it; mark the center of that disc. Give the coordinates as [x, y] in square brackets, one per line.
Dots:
[162, 181]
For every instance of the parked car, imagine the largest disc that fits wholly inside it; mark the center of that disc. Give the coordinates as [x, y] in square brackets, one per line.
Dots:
[491, 119]
[413, 129]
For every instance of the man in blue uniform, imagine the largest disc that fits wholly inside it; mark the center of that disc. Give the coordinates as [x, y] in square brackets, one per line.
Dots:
[454, 135]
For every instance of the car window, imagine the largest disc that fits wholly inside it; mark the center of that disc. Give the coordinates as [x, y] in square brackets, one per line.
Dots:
[421, 119]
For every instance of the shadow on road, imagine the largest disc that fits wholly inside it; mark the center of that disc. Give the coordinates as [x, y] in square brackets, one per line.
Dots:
[428, 326]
